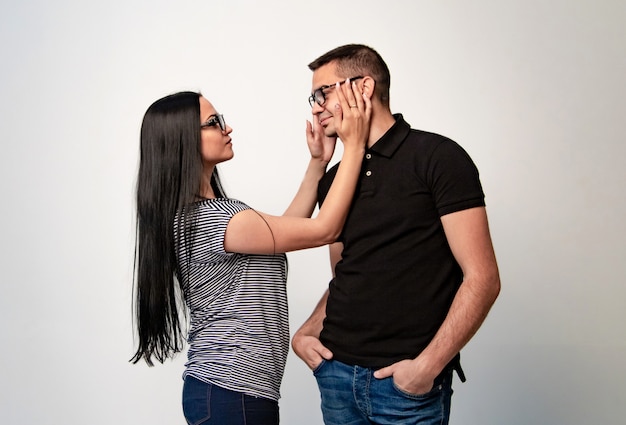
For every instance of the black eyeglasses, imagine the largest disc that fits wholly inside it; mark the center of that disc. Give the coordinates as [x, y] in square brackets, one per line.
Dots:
[217, 119]
[318, 95]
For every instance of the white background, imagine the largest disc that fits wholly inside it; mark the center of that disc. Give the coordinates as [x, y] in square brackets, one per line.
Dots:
[534, 90]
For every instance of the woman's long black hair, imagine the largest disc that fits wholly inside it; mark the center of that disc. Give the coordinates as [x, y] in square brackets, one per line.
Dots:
[170, 171]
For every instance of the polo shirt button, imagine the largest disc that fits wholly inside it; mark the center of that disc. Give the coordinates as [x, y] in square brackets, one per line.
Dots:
[368, 156]
[368, 173]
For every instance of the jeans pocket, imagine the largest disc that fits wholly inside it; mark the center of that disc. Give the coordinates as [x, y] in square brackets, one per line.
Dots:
[319, 367]
[433, 391]
[196, 401]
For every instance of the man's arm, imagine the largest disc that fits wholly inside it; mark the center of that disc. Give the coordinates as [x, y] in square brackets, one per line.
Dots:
[305, 341]
[468, 235]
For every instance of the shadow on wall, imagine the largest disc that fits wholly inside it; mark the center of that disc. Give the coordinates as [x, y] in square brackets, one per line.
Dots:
[542, 384]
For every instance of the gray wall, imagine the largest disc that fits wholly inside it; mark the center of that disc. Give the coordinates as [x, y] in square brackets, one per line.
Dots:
[534, 90]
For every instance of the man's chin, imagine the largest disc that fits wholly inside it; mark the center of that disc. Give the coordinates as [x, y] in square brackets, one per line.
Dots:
[329, 131]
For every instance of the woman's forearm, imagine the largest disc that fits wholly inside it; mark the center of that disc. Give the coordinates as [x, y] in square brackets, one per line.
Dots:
[334, 210]
[303, 203]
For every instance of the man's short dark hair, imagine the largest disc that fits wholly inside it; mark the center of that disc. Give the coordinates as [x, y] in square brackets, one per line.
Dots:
[358, 59]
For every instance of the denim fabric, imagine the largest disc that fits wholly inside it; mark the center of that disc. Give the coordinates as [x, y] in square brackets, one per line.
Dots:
[352, 396]
[206, 404]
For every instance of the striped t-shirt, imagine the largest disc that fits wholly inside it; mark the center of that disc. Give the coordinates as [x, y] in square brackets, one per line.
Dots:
[239, 330]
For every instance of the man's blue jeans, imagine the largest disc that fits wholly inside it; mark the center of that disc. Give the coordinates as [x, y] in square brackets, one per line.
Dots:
[352, 396]
[206, 404]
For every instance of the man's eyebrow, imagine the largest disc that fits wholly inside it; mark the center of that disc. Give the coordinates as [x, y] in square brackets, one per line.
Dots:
[323, 87]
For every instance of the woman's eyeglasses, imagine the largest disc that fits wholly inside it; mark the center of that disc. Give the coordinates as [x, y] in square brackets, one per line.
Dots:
[217, 119]
[318, 95]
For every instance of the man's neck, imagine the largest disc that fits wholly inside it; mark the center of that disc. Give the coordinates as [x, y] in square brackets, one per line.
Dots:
[381, 122]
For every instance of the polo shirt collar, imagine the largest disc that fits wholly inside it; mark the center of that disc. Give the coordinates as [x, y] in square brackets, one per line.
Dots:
[393, 138]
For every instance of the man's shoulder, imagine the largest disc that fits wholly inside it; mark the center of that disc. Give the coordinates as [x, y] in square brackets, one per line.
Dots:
[428, 141]
[428, 136]
[418, 133]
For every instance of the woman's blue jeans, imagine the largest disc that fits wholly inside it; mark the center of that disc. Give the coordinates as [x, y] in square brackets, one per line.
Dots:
[351, 395]
[206, 404]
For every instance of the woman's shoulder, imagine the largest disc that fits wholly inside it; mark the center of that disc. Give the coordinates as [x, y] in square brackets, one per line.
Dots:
[226, 205]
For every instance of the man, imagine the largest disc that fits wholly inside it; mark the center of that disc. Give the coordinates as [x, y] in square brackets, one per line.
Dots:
[415, 273]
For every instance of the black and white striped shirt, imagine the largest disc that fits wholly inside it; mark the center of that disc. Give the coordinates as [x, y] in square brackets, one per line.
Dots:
[239, 334]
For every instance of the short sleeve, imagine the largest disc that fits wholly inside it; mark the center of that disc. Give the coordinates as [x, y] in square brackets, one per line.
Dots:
[454, 179]
[204, 240]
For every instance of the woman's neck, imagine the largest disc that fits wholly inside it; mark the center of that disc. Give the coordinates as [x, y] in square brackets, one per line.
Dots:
[206, 190]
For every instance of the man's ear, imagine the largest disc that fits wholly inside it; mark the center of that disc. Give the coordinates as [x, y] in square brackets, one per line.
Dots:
[369, 84]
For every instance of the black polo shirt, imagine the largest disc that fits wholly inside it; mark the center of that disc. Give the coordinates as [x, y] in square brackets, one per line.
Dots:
[397, 277]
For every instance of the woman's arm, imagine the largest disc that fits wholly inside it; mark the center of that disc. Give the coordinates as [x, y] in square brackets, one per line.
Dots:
[303, 203]
[253, 232]
[322, 149]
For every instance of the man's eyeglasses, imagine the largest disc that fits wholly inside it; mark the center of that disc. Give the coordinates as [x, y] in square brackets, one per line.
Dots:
[217, 119]
[318, 95]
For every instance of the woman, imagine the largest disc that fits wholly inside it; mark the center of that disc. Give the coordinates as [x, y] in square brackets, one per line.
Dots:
[222, 258]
